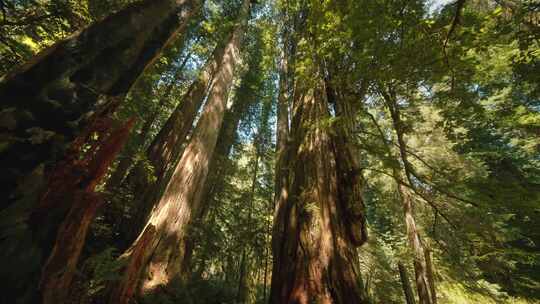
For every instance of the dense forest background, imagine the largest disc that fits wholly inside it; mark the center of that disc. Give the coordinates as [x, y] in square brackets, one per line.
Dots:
[287, 151]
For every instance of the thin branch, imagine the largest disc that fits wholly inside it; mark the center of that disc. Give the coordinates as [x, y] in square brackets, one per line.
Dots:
[438, 189]
[3, 8]
[422, 196]
[455, 21]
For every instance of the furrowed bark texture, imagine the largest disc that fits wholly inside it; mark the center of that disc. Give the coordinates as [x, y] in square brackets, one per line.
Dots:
[167, 146]
[163, 255]
[216, 173]
[314, 248]
[69, 81]
[245, 97]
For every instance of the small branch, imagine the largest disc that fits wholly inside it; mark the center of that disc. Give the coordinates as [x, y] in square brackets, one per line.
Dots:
[455, 21]
[438, 189]
[422, 196]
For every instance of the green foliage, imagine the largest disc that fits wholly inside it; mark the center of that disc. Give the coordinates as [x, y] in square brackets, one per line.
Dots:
[103, 268]
[211, 291]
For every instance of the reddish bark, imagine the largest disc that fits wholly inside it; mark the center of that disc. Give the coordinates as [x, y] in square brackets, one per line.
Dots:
[314, 250]
[58, 272]
[122, 293]
[51, 100]
[60, 268]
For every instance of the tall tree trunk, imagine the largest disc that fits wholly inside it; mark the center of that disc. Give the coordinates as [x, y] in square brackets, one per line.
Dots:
[420, 267]
[78, 81]
[162, 256]
[406, 284]
[314, 250]
[431, 279]
[126, 162]
[71, 80]
[246, 95]
[217, 167]
[241, 295]
[266, 253]
[167, 146]
[61, 265]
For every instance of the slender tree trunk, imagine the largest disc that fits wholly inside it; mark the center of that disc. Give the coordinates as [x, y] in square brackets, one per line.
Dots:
[431, 280]
[420, 267]
[405, 284]
[266, 254]
[163, 255]
[426, 294]
[242, 293]
[314, 251]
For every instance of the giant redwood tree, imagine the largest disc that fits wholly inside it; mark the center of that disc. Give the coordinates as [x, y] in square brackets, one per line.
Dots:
[319, 218]
[158, 255]
[64, 91]
[166, 148]
[72, 80]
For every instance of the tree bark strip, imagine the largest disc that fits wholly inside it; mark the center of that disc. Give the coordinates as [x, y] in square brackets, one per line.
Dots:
[61, 265]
